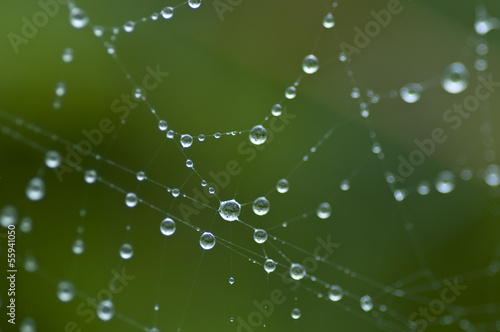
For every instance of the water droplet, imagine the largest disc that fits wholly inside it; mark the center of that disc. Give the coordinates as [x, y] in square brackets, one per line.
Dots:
[269, 265]
[366, 303]
[90, 176]
[53, 159]
[261, 206]
[201, 137]
[78, 247]
[492, 175]
[423, 188]
[186, 140]
[203, 183]
[162, 125]
[28, 325]
[310, 65]
[411, 92]
[60, 89]
[67, 55]
[98, 31]
[141, 176]
[324, 210]
[258, 135]
[282, 186]
[211, 190]
[194, 3]
[131, 200]
[65, 291]
[126, 251]
[139, 93]
[260, 236]
[176, 192]
[170, 134]
[399, 194]
[78, 18]
[8, 216]
[35, 190]
[167, 13]
[189, 163]
[455, 78]
[105, 310]
[167, 226]
[276, 110]
[129, 26]
[445, 182]
[328, 21]
[355, 93]
[345, 185]
[297, 271]
[26, 225]
[335, 293]
[207, 240]
[231, 280]
[217, 135]
[229, 210]
[290, 92]
[295, 313]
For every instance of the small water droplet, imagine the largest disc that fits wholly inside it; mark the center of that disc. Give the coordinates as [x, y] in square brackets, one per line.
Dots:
[290, 92]
[297, 271]
[67, 55]
[35, 190]
[105, 310]
[78, 18]
[455, 78]
[324, 210]
[167, 226]
[276, 110]
[167, 13]
[329, 21]
[126, 251]
[261, 206]
[310, 65]
[410, 93]
[445, 182]
[131, 200]
[162, 125]
[53, 159]
[296, 313]
[282, 186]
[260, 236]
[258, 135]
[65, 291]
[194, 3]
[269, 265]
[186, 140]
[335, 293]
[366, 303]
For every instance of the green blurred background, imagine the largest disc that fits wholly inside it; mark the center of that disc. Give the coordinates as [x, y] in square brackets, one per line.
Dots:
[225, 75]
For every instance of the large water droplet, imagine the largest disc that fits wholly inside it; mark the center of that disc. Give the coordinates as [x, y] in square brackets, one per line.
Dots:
[67, 55]
[65, 291]
[276, 110]
[167, 13]
[78, 18]
[131, 200]
[105, 310]
[455, 78]
[290, 92]
[260, 236]
[167, 226]
[186, 140]
[8, 216]
[78, 246]
[207, 240]
[258, 135]
[90, 176]
[324, 210]
[329, 21]
[269, 265]
[194, 3]
[28, 325]
[297, 271]
[261, 206]
[126, 251]
[445, 182]
[335, 293]
[310, 65]
[282, 186]
[411, 92]
[296, 313]
[53, 159]
[129, 26]
[366, 303]
[35, 190]
[492, 175]
[229, 210]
